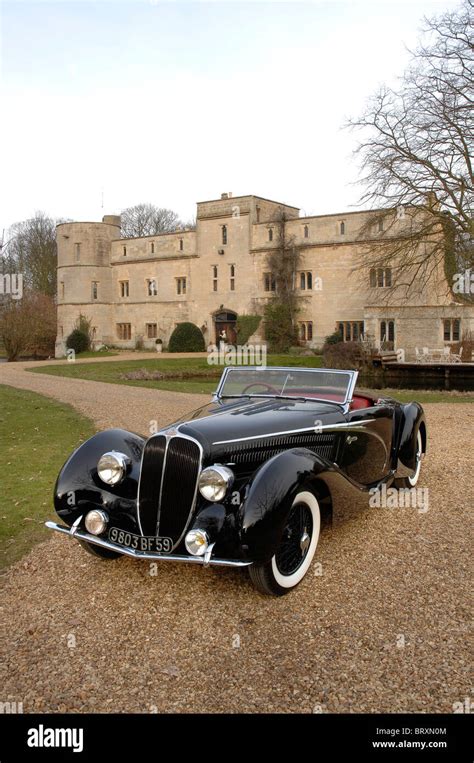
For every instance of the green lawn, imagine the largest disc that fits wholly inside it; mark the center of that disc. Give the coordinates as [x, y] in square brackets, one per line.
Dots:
[113, 372]
[205, 377]
[423, 395]
[37, 434]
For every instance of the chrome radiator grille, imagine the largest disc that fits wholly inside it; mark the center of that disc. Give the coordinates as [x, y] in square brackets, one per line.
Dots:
[170, 469]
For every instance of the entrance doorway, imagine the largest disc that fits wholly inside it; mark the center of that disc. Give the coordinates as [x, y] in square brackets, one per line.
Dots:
[225, 325]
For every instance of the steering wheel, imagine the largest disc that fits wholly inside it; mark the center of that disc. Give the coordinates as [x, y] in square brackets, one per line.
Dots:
[268, 387]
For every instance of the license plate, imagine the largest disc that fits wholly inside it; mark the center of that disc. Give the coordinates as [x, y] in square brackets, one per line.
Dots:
[146, 543]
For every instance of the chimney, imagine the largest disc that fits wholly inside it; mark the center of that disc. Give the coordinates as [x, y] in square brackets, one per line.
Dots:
[112, 220]
[224, 195]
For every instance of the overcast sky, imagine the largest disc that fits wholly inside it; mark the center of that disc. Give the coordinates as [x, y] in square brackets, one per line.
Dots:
[175, 102]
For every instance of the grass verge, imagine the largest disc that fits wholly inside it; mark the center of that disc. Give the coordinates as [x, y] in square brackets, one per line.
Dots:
[37, 434]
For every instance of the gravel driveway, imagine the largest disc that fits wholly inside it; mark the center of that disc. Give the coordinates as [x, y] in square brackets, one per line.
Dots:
[384, 628]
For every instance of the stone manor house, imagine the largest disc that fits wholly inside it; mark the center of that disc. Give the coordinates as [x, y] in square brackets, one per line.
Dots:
[139, 289]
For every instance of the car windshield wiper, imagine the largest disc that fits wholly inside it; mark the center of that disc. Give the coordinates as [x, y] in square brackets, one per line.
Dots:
[245, 395]
[291, 397]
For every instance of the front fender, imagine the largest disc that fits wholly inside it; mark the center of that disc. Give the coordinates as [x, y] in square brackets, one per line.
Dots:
[264, 511]
[79, 488]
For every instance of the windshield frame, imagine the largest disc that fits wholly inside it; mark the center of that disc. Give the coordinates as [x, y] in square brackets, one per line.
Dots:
[261, 369]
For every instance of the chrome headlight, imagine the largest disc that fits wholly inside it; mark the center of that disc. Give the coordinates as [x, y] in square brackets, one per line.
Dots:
[196, 542]
[215, 481]
[112, 467]
[96, 521]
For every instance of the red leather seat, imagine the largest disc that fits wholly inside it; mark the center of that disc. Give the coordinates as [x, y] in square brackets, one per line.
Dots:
[358, 401]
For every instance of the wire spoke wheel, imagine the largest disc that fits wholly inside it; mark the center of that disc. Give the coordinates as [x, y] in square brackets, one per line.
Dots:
[296, 540]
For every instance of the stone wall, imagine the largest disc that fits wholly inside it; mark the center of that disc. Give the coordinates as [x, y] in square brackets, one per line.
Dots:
[232, 236]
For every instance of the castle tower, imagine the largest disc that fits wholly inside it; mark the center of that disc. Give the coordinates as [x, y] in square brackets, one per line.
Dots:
[84, 276]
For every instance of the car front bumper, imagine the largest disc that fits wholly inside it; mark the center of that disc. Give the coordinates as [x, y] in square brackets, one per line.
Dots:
[204, 561]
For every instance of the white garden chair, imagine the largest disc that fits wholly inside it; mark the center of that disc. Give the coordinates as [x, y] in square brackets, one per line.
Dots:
[456, 357]
[418, 355]
[446, 355]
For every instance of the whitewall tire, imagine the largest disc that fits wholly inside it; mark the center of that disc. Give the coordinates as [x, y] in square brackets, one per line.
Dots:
[411, 481]
[296, 551]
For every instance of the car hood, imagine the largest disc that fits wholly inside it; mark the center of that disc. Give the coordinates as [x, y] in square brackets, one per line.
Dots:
[239, 419]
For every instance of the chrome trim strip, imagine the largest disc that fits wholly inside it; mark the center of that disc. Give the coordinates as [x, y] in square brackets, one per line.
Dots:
[163, 468]
[316, 430]
[142, 554]
[139, 483]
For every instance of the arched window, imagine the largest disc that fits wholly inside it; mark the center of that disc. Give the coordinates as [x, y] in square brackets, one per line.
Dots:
[302, 280]
[224, 234]
[152, 247]
[309, 280]
[342, 228]
[270, 234]
[306, 231]
[181, 244]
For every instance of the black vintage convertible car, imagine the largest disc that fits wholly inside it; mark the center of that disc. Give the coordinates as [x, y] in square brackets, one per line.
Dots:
[242, 481]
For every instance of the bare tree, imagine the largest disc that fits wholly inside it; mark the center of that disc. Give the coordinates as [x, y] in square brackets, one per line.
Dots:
[148, 220]
[28, 325]
[416, 159]
[31, 250]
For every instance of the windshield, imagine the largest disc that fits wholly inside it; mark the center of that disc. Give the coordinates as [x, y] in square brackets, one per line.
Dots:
[321, 384]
